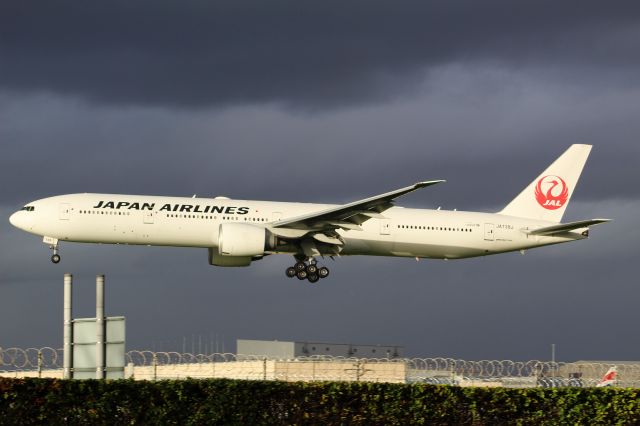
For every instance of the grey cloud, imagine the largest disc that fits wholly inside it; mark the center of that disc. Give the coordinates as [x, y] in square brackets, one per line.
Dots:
[310, 55]
[487, 145]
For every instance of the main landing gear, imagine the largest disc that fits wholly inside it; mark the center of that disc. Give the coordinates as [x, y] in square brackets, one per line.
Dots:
[307, 269]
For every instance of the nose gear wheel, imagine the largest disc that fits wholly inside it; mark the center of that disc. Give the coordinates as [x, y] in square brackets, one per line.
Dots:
[55, 257]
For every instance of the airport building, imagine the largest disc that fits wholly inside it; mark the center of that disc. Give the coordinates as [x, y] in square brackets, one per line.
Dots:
[290, 350]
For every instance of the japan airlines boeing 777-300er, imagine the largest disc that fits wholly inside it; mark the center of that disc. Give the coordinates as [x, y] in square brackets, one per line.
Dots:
[237, 232]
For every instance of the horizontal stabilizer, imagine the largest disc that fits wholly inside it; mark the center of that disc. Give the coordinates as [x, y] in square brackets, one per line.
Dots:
[564, 227]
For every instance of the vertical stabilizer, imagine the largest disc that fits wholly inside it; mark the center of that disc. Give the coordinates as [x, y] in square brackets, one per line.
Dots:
[609, 378]
[546, 198]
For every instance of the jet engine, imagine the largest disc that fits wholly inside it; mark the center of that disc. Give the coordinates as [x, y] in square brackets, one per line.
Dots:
[239, 244]
[241, 239]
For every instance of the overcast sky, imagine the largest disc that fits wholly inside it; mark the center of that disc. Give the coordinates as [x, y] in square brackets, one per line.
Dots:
[327, 101]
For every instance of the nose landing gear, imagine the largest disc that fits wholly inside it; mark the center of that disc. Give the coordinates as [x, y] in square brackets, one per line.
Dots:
[53, 245]
[307, 268]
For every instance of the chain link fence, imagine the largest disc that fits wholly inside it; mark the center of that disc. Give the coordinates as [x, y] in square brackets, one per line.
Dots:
[148, 365]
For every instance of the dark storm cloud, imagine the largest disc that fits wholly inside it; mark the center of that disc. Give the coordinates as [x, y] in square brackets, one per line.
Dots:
[487, 146]
[313, 54]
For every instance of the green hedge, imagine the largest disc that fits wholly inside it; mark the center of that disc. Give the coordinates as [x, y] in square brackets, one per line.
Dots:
[229, 402]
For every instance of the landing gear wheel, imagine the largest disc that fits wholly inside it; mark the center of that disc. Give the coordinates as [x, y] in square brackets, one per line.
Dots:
[291, 272]
[55, 258]
[306, 268]
[323, 272]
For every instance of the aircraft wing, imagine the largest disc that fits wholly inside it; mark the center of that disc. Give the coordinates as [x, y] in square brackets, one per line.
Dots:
[348, 216]
[564, 227]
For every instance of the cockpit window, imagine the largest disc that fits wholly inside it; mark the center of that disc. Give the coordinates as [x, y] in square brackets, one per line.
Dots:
[28, 208]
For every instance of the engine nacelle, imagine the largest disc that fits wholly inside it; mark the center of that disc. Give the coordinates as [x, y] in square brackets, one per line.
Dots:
[240, 239]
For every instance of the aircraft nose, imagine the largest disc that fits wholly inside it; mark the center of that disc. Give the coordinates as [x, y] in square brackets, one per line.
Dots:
[15, 219]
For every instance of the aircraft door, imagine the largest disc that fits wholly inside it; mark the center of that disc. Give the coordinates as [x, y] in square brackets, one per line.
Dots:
[489, 234]
[385, 227]
[148, 217]
[65, 211]
[276, 216]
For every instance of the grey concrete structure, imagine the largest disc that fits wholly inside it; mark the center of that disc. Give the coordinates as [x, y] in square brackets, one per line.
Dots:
[92, 347]
[100, 328]
[288, 350]
[68, 327]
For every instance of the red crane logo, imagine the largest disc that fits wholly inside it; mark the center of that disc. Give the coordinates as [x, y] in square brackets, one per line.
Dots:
[551, 192]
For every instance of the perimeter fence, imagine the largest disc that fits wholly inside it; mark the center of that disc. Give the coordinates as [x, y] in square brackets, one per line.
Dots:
[148, 365]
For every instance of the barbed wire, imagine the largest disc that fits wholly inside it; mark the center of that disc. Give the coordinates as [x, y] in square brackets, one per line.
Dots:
[30, 358]
[149, 365]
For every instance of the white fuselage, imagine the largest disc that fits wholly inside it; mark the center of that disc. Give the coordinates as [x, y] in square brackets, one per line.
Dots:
[195, 222]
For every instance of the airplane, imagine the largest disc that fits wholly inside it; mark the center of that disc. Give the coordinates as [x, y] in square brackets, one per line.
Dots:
[609, 379]
[239, 232]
